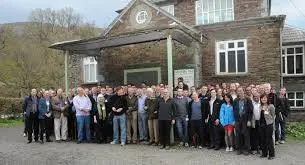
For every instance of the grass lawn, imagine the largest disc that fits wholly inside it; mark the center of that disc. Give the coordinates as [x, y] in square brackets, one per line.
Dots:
[10, 123]
[296, 131]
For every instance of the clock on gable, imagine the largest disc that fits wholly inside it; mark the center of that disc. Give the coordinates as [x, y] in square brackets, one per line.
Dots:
[140, 16]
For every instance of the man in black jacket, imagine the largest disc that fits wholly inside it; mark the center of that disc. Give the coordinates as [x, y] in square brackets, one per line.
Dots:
[212, 106]
[243, 113]
[282, 115]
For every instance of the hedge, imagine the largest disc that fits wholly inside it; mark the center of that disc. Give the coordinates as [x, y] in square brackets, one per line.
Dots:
[10, 106]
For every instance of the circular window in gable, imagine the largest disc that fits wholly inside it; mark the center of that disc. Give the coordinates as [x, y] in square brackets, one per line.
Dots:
[142, 17]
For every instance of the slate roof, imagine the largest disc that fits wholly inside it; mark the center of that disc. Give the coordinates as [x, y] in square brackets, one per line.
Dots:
[293, 34]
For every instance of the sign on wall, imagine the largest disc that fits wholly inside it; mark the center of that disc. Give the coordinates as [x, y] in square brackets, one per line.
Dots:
[187, 75]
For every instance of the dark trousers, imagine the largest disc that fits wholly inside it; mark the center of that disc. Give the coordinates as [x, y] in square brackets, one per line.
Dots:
[280, 128]
[242, 136]
[32, 124]
[72, 127]
[255, 136]
[164, 128]
[100, 130]
[267, 140]
[197, 132]
[214, 133]
[42, 129]
[25, 124]
[49, 125]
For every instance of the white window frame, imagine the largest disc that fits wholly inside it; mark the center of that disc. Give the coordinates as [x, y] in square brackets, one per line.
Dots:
[157, 69]
[295, 99]
[169, 8]
[141, 14]
[201, 21]
[285, 55]
[226, 50]
[88, 61]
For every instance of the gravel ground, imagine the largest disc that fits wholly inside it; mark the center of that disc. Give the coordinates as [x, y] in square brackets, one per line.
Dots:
[15, 151]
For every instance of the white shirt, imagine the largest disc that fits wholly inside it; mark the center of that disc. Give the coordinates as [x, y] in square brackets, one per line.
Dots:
[256, 110]
[211, 105]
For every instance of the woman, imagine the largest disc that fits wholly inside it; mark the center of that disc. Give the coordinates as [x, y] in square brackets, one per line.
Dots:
[227, 120]
[151, 109]
[43, 112]
[100, 119]
[266, 124]
[165, 117]
[119, 107]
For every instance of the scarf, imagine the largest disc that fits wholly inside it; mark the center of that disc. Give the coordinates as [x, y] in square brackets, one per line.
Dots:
[101, 107]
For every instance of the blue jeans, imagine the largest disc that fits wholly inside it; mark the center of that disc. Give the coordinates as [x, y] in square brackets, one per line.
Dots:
[83, 124]
[119, 121]
[142, 125]
[181, 125]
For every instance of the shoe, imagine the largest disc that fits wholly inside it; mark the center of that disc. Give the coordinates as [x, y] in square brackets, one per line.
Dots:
[227, 149]
[123, 144]
[186, 145]
[239, 152]
[246, 153]
[78, 142]
[134, 142]
[36, 141]
[271, 157]
[231, 149]
[217, 148]
[167, 148]
[150, 143]
[41, 142]
[181, 144]
[113, 142]
[64, 141]
[282, 142]
[162, 147]
[263, 156]
[30, 141]
[200, 147]
[154, 144]
[128, 142]
[211, 147]
[277, 143]
[24, 134]
[48, 140]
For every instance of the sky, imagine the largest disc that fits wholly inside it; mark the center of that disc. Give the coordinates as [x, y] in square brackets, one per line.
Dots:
[102, 12]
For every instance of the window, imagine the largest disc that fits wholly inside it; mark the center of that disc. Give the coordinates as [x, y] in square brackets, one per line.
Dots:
[169, 8]
[296, 99]
[293, 60]
[231, 57]
[90, 66]
[141, 17]
[212, 11]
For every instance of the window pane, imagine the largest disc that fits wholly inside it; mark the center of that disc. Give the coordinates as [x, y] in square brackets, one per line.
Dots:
[223, 4]
[299, 103]
[211, 17]
[291, 102]
[231, 62]
[229, 4]
[211, 5]
[86, 72]
[299, 95]
[290, 64]
[222, 62]
[283, 51]
[241, 61]
[299, 50]
[299, 64]
[223, 15]
[217, 4]
[290, 50]
[217, 16]
[205, 18]
[240, 44]
[92, 72]
[231, 45]
[205, 5]
[290, 95]
[229, 16]
[283, 65]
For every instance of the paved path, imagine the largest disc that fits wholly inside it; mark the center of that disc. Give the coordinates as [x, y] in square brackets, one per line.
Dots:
[15, 151]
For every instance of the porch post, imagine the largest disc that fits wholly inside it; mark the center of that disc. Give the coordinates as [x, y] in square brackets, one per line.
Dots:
[66, 72]
[170, 77]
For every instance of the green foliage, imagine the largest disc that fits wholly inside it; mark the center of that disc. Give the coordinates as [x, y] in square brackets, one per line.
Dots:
[10, 106]
[10, 122]
[296, 130]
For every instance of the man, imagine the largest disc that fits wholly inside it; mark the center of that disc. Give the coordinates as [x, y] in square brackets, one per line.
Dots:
[249, 92]
[71, 116]
[60, 112]
[192, 90]
[283, 114]
[204, 93]
[212, 107]
[132, 116]
[233, 91]
[142, 116]
[30, 109]
[83, 107]
[196, 114]
[243, 113]
[181, 117]
[93, 112]
[255, 132]
[151, 104]
[185, 86]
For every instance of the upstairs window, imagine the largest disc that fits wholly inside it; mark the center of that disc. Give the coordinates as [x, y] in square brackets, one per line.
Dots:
[293, 60]
[213, 11]
[89, 68]
[169, 8]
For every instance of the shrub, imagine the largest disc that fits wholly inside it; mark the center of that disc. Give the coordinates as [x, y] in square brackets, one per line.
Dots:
[296, 130]
[10, 106]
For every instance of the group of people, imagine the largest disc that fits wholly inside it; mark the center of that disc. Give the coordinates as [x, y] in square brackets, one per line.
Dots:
[241, 118]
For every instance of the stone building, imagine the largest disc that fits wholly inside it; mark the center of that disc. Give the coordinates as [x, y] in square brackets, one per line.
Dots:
[211, 41]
